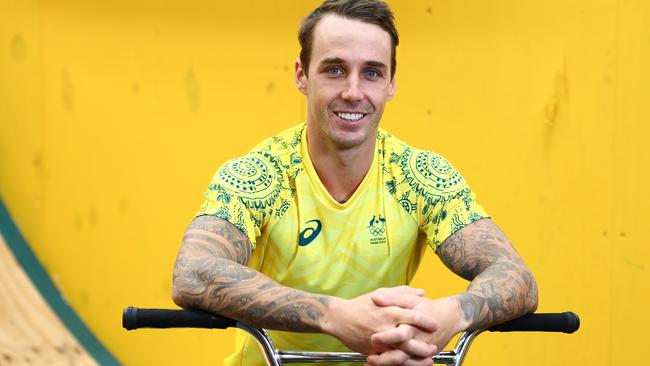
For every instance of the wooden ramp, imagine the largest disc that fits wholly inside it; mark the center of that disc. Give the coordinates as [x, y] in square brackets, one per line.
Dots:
[30, 332]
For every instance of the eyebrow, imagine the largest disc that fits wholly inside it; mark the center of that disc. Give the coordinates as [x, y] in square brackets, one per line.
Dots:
[377, 64]
[332, 61]
[338, 61]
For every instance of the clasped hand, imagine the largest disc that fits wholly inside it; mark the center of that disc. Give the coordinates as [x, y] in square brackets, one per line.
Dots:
[395, 326]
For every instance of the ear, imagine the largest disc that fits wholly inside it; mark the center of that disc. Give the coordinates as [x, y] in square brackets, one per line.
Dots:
[301, 77]
[391, 90]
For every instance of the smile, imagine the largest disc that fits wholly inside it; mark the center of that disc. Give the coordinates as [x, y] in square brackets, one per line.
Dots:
[352, 117]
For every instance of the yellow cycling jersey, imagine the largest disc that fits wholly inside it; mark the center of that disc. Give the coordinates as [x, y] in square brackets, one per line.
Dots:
[304, 239]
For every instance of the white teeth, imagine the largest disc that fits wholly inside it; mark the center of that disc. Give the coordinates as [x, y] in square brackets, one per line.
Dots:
[350, 116]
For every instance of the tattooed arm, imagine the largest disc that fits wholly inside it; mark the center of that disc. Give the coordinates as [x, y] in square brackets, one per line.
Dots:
[501, 288]
[211, 274]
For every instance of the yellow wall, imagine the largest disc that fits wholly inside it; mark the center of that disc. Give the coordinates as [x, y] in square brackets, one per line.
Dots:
[114, 115]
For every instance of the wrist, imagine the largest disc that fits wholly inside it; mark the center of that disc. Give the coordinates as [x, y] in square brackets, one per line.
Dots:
[465, 311]
[328, 322]
[448, 312]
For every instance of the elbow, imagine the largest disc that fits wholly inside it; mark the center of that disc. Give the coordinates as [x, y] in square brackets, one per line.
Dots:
[532, 300]
[177, 297]
[180, 297]
[532, 305]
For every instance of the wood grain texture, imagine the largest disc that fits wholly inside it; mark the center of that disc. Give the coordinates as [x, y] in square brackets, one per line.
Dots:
[30, 332]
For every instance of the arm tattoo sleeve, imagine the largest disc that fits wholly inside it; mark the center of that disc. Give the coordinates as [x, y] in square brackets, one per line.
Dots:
[502, 287]
[211, 274]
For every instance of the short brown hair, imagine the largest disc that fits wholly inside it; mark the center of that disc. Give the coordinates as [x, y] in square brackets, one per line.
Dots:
[368, 11]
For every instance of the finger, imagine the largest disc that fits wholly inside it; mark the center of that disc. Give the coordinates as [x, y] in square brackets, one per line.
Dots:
[392, 357]
[395, 357]
[405, 289]
[418, 349]
[394, 336]
[380, 347]
[427, 361]
[406, 301]
[415, 318]
[401, 290]
[403, 338]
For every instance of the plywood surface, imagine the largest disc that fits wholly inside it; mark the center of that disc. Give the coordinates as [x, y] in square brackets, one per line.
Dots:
[30, 332]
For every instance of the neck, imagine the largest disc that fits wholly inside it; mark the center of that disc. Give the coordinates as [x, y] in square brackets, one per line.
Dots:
[340, 170]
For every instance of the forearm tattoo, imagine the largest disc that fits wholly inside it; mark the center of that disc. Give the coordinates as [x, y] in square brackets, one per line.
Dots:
[211, 274]
[502, 287]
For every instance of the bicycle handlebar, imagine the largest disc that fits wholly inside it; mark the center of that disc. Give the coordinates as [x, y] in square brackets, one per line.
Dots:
[134, 318]
[567, 322]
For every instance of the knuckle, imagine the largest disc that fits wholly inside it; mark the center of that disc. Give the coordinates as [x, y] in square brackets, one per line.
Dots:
[418, 349]
[402, 336]
[402, 357]
[416, 317]
[395, 313]
[394, 357]
[406, 332]
[406, 316]
[407, 347]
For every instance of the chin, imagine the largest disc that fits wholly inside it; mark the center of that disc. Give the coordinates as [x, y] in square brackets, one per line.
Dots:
[349, 140]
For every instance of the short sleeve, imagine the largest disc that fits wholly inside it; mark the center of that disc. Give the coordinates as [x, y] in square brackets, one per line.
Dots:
[445, 201]
[449, 214]
[243, 192]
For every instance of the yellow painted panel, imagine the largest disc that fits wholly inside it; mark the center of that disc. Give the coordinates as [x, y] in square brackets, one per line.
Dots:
[22, 165]
[114, 115]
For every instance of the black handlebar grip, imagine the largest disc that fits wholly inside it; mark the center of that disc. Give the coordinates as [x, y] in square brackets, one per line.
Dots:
[134, 318]
[567, 322]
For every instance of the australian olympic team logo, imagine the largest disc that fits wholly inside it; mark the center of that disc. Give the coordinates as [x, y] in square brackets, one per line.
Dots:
[377, 228]
[377, 225]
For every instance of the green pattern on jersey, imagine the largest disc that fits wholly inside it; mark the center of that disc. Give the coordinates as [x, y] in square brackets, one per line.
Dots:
[409, 199]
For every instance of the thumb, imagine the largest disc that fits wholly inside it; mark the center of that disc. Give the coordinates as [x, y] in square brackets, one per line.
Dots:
[406, 301]
[399, 291]
[405, 289]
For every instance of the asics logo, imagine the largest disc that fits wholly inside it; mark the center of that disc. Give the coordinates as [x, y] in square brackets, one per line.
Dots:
[309, 234]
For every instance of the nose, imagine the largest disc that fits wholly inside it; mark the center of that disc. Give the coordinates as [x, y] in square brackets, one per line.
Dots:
[352, 91]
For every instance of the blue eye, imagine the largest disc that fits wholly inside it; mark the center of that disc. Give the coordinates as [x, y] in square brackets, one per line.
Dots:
[334, 71]
[372, 74]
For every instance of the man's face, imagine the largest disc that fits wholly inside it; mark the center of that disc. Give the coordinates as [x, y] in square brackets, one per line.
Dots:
[348, 83]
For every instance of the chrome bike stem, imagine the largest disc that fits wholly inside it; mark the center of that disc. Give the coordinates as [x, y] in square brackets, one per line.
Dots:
[275, 357]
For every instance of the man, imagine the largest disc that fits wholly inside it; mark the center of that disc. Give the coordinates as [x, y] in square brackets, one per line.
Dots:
[318, 229]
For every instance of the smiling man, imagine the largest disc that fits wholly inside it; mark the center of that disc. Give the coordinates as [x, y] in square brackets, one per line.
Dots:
[315, 233]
